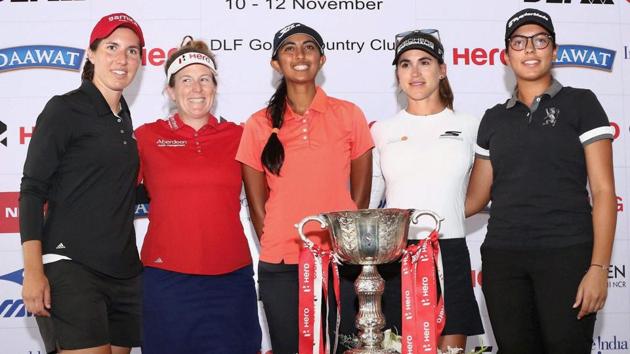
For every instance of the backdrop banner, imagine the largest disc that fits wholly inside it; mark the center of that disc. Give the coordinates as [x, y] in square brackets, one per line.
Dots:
[43, 46]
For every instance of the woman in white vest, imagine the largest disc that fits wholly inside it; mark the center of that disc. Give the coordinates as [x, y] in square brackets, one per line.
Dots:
[424, 157]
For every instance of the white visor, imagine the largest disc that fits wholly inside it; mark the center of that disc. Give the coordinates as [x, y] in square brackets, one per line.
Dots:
[189, 58]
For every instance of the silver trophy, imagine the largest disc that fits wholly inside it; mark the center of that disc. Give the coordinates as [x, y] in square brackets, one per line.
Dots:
[368, 237]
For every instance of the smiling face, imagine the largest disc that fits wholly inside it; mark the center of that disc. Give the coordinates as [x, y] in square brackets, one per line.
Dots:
[531, 64]
[116, 61]
[419, 75]
[193, 92]
[299, 59]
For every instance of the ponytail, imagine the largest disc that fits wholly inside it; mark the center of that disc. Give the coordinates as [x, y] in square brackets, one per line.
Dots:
[446, 93]
[272, 156]
[88, 68]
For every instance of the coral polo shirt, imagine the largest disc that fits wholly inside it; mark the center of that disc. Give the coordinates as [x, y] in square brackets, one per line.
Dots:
[315, 177]
[194, 184]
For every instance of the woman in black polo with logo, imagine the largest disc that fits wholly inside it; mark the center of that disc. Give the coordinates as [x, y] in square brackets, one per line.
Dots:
[547, 250]
[81, 264]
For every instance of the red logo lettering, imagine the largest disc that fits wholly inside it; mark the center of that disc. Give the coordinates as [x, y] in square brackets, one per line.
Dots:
[478, 56]
[619, 204]
[9, 212]
[156, 56]
[25, 135]
[616, 127]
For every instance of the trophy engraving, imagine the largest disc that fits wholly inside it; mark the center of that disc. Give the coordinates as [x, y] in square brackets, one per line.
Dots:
[368, 237]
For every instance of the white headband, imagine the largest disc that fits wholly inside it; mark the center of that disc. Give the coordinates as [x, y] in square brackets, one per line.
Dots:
[186, 59]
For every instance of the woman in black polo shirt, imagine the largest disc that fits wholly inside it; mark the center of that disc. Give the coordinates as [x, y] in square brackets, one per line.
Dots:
[81, 265]
[546, 254]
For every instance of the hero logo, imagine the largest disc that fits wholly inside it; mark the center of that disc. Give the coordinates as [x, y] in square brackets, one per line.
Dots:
[26, 134]
[619, 204]
[604, 345]
[617, 276]
[155, 56]
[41, 56]
[13, 307]
[568, 55]
[9, 213]
[591, 2]
[3, 133]
[478, 56]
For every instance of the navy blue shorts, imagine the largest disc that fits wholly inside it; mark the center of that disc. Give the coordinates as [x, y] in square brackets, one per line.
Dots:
[200, 313]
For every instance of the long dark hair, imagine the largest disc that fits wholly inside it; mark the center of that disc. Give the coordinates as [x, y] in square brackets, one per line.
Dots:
[446, 93]
[88, 68]
[272, 156]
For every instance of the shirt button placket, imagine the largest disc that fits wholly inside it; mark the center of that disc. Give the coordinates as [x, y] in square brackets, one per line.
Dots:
[119, 120]
[305, 127]
[197, 145]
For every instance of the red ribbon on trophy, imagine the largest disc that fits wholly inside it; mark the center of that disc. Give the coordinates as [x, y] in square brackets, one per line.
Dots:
[313, 294]
[423, 317]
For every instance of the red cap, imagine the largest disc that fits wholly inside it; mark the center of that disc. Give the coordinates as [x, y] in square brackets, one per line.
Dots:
[109, 23]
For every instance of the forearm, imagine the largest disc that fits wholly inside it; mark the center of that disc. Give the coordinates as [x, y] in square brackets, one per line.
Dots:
[257, 192]
[361, 180]
[479, 187]
[257, 217]
[32, 253]
[604, 224]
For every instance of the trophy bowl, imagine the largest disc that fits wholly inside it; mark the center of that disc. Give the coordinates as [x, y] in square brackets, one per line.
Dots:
[368, 237]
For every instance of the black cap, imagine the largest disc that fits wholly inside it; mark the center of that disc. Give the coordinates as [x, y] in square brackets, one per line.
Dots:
[527, 16]
[422, 41]
[294, 28]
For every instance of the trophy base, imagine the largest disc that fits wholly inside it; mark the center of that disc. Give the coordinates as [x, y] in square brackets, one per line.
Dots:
[371, 351]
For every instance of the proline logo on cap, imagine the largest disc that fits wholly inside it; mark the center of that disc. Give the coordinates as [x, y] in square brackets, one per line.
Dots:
[419, 41]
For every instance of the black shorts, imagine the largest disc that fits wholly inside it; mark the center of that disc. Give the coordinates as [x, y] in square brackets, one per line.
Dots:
[90, 309]
[460, 304]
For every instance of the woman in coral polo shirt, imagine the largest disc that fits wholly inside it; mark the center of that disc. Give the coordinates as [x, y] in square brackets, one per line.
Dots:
[199, 293]
[305, 153]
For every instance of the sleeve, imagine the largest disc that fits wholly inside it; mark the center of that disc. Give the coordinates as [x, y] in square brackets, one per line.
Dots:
[250, 147]
[482, 147]
[48, 144]
[378, 181]
[139, 135]
[142, 195]
[361, 137]
[593, 124]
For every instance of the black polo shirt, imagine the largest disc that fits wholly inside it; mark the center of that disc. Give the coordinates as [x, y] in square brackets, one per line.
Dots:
[83, 161]
[539, 196]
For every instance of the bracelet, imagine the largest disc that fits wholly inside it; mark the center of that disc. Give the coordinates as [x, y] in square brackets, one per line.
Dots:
[599, 265]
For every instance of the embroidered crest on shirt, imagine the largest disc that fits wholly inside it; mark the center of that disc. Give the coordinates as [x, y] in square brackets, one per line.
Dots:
[552, 116]
[170, 143]
[451, 134]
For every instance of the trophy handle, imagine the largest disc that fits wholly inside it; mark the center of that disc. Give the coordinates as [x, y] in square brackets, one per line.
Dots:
[416, 214]
[300, 227]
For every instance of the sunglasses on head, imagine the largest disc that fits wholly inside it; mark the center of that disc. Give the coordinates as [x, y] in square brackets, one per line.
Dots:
[430, 31]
